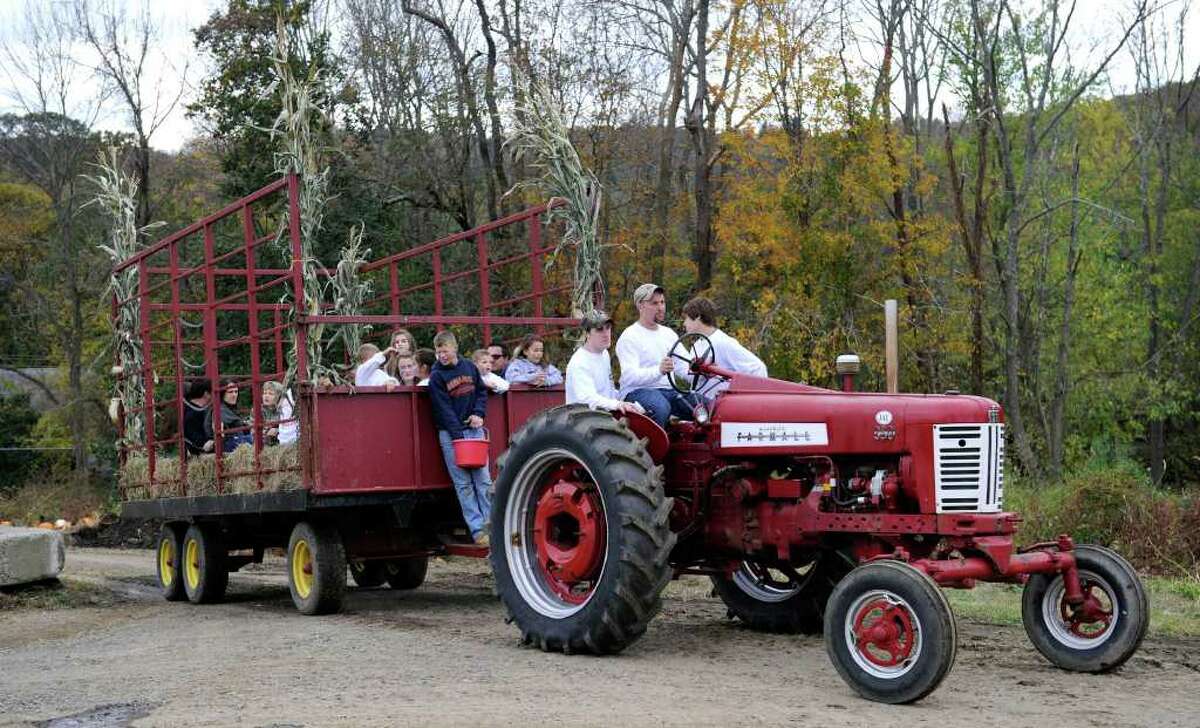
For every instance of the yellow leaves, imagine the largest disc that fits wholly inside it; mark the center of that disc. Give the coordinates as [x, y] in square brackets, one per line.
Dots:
[25, 216]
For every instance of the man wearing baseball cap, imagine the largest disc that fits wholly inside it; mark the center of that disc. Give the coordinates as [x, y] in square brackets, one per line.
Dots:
[643, 351]
[589, 373]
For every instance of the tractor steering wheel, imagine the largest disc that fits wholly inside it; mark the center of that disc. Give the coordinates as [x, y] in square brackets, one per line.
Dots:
[706, 356]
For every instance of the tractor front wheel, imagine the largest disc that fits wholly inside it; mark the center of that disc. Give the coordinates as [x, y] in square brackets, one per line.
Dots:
[406, 573]
[1098, 635]
[580, 539]
[782, 600]
[890, 633]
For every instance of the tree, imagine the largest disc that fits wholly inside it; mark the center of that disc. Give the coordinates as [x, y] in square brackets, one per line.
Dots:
[128, 60]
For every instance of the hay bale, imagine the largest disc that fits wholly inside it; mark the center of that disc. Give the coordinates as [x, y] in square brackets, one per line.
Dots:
[281, 463]
[284, 463]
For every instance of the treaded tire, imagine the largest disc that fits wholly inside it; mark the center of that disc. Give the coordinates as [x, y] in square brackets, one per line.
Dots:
[800, 613]
[626, 593]
[406, 573]
[368, 574]
[205, 576]
[936, 641]
[316, 568]
[168, 551]
[1128, 601]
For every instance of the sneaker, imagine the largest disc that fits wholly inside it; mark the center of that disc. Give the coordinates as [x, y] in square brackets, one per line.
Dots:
[481, 539]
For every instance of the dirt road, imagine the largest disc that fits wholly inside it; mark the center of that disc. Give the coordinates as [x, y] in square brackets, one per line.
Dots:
[442, 655]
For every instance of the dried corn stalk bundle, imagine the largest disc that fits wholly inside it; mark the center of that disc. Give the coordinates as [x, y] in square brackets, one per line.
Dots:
[350, 291]
[540, 135]
[116, 196]
[297, 128]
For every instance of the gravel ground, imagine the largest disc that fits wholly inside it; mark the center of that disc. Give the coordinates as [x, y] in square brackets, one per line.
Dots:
[443, 655]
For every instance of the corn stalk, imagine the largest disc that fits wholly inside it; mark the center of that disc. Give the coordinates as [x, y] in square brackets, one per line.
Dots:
[297, 129]
[350, 291]
[116, 196]
[540, 136]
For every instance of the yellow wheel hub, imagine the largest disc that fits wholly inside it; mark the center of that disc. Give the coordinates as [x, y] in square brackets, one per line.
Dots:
[166, 562]
[302, 568]
[191, 563]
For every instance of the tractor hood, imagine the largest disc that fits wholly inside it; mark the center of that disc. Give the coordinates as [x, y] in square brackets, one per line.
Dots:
[757, 415]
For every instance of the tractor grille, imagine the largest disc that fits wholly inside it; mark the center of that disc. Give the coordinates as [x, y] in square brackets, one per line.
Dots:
[969, 470]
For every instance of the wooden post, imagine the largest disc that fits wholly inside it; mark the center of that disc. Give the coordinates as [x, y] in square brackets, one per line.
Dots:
[891, 346]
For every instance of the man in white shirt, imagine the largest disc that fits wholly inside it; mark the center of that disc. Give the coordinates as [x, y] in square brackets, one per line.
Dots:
[644, 352]
[589, 373]
[700, 317]
[370, 368]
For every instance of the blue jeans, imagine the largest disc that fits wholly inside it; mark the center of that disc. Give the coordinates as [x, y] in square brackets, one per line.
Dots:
[471, 485]
[233, 442]
[661, 404]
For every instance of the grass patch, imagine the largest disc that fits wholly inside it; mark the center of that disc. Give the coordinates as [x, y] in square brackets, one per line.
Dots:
[1174, 605]
[55, 594]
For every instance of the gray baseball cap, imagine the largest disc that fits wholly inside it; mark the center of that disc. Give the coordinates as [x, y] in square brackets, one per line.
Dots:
[596, 320]
[645, 291]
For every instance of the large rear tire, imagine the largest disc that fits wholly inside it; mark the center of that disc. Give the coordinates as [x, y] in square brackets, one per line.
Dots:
[316, 568]
[782, 601]
[890, 633]
[205, 577]
[1101, 634]
[580, 536]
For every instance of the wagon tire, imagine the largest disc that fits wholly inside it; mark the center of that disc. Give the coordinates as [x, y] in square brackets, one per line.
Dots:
[406, 573]
[794, 606]
[316, 568]
[204, 571]
[168, 562]
[368, 574]
[580, 535]
[1070, 638]
[890, 633]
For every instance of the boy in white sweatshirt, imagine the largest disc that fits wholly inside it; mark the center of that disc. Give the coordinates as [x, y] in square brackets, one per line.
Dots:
[589, 373]
[644, 352]
[370, 368]
[700, 317]
[483, 362]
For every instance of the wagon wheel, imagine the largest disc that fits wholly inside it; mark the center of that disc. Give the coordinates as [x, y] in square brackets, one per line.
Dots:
[782, 598]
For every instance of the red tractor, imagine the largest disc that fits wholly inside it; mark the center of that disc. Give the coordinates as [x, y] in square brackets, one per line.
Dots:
[810, 509]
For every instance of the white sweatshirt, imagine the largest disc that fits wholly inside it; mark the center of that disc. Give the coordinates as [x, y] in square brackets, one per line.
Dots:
[640, 351]
[731, 355]
[289, 426]
[589, 380]
[499, 385]
[369, 373]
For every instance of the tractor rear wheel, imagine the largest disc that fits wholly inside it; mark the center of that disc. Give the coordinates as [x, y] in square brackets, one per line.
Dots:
[1098, 635]
[580, 535]
[890, 633]
[782, 600]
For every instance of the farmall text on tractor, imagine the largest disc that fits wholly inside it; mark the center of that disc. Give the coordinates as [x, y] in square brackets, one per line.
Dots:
[811, 510]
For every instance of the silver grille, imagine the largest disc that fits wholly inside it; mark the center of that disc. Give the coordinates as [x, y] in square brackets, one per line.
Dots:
[969, 467]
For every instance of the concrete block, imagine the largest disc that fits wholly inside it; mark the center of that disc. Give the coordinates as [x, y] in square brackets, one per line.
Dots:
[30, 554]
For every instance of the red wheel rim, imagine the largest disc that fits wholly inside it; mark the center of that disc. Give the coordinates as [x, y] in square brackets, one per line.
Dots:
[569, 533]
[883, 632]
[1090, 620]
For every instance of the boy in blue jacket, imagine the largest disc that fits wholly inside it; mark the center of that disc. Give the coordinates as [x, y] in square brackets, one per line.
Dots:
[459, 399]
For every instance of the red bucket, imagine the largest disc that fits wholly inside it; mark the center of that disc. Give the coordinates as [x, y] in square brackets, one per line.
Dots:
[471, 453]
